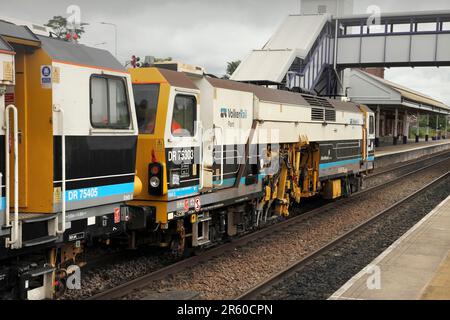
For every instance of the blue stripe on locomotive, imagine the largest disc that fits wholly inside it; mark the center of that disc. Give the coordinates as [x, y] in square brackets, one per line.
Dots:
[100, 192]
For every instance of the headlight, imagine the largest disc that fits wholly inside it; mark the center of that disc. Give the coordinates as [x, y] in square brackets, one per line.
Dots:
[154, 182]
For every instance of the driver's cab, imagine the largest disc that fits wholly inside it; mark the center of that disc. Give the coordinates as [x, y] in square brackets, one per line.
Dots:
[168, 157]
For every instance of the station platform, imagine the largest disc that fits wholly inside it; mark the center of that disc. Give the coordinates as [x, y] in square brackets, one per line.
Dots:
[415, 267]
[387, 155]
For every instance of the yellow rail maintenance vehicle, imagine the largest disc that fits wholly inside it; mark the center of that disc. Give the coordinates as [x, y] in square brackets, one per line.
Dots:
[217, 158]
[67, 157]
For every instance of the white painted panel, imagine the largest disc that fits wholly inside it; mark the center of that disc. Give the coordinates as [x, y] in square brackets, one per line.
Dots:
[272, 132]
[348, 50]
[279, 112]
[397, 49]
[443, 51]
[365, 89]
[72, 94]
[264, 65]
[233, 112]
[423, 48]
[297, 122]
[372, 50]
[297, 32]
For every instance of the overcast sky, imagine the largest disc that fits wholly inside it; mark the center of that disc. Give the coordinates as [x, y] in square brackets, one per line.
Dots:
[209, 32]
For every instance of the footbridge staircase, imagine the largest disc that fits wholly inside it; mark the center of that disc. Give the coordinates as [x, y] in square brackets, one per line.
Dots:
[308, 53]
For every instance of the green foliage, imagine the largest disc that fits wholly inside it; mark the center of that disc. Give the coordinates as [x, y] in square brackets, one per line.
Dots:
[432, 130]
[231, 68]
[60, 28]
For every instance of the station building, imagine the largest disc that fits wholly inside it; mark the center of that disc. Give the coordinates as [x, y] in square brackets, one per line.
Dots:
[328, 50]
[396, 107]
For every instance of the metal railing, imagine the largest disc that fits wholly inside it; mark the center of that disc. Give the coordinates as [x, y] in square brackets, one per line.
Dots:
[318, 60]
[61, 230]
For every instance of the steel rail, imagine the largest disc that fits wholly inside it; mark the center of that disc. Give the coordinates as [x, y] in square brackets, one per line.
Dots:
[263, 287]
[143, 281]
[407, 164]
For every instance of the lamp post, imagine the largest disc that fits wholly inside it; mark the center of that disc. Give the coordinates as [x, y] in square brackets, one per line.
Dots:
[115, 31]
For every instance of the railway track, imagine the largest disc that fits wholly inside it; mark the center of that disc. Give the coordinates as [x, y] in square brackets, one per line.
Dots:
[141, 282]
[379, 175]
[265, 286]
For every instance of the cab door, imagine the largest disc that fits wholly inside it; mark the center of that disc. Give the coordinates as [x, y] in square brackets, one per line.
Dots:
[370, 136]
[183, 145]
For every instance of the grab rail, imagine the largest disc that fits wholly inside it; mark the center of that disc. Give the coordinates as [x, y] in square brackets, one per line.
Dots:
[15, 226]
[57, 108]
[202, 165]
[222, 158]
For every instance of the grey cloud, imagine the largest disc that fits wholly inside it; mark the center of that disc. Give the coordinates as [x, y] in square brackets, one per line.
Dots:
[209, 32]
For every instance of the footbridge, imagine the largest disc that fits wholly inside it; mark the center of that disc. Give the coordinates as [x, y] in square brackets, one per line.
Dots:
[308, 53]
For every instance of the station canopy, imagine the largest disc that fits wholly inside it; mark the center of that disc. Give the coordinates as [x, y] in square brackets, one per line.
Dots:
[369, 89]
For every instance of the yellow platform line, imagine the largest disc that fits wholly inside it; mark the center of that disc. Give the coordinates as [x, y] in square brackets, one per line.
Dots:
[439, 286]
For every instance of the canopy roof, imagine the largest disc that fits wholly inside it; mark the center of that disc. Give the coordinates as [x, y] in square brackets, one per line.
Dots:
[293, 39]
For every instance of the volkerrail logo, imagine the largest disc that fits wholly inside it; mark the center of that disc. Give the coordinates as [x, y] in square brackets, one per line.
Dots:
[232, 113]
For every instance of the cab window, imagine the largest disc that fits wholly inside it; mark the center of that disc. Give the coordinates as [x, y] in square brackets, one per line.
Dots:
[109, 103]
[146, 103]
[184, 116]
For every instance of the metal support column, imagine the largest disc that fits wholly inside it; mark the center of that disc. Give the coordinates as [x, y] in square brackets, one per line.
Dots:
[395, 133]
[405, 128]
[418, 127]
[427, 135]
[446, 127]
[377, 128]
[437, 128]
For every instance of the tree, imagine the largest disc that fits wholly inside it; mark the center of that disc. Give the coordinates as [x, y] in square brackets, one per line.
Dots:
[231, 67]
[61, 29]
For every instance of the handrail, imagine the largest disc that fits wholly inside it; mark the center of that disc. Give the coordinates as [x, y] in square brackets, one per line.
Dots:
[322, 45]
[202, 166]
[222, 158]
[15, 231]
[57, 108]
[322, 41]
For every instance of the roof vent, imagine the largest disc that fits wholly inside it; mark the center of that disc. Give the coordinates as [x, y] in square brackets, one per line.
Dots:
[330, 115]
[180, 67]
[323, 114]
[317, 101]
[317, 114]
